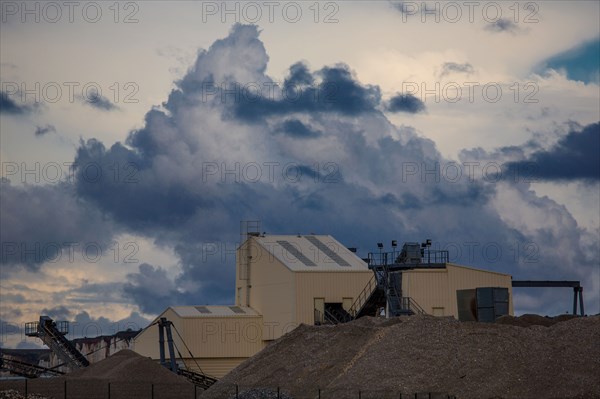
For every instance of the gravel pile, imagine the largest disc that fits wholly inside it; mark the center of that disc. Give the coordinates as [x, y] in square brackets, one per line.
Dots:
[258, 393]
[127, 366]
[12, 394]
[426, 354]
[528, 320]
[127, 375]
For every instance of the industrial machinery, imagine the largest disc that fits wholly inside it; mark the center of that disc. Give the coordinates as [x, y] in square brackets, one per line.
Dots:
[19, 367]
[53, 335]
[199, 379]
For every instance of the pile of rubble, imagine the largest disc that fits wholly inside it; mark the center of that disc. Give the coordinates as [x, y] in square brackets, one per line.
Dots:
[417, 354]
[125, 374]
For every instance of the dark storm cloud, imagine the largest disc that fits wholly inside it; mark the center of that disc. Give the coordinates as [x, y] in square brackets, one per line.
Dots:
[336, 91]
[405, 103]
[502, 25]
[299, 76]
[296, 129]
[152, 290]
[134, 197]
[575, 156]
[163, 193]
[10, 107]
[43, 130]
[453, 67]
[98, 101]
[43, 223]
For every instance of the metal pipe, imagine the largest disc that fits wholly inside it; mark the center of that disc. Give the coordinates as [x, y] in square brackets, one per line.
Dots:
[171, 347]
[161, 341]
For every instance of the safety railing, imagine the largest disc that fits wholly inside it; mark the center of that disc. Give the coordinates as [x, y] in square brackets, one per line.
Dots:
[363, 297]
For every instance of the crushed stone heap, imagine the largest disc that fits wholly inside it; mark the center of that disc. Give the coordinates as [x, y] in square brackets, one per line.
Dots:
[510, 359]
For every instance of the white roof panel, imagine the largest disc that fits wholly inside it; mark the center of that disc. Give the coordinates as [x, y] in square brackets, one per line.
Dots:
[316, 253]
[214, 311]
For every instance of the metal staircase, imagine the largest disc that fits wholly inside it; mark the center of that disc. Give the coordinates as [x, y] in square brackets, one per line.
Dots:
[201, 380]
[381, 291]
[53, 335]
[335, 314]
[24, 369]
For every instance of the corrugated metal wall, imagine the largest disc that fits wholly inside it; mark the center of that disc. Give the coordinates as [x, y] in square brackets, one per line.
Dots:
[223, 336]
[429, 288]
[273, 293]
[214, 367]
[436, 288]
[334, 287]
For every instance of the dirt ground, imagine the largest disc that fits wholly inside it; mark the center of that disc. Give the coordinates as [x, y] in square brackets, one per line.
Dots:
[526, 357]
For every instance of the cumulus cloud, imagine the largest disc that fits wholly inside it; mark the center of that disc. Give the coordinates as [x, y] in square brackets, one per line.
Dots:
[574, 156]
[225, 146]
[11, 107]
[98, 101]
[453, 67]
[502, 25]
[405, 103]
[45, 223]
[43, 130]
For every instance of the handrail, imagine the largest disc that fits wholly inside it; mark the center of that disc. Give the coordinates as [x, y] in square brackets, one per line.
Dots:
[362, 298]
[414, 306]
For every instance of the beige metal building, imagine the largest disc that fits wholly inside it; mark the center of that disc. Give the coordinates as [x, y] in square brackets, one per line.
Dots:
[285, 280]
[280, 281]
[219, 337]
[435, 289]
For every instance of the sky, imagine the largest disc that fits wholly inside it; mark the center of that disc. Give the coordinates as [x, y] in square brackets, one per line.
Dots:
[135, 136]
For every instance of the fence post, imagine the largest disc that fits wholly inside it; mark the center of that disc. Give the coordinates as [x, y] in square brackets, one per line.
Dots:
[195, 391]
[152, 390]
[109, 390]
[319, 393]
[65, 389]
[26, 387]
[359, 394]
[237, 391]
[278, 397]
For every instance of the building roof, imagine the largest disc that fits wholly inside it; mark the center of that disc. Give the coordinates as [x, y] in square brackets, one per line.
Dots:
[311, 253]
[214, 311]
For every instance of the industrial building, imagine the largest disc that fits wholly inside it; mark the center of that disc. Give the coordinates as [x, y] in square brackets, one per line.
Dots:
[285, 280]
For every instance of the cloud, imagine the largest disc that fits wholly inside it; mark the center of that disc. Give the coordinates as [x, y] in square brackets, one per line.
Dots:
[453, 67]
[296, 129]
[574, 156]
[502, 25]
[196, 210]
[405, 103]
[98, 101]
[43, 130]
[29, 345]
[208, 158]
[10, 107]
[57, 313]
[44, 223]
[151, 288]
